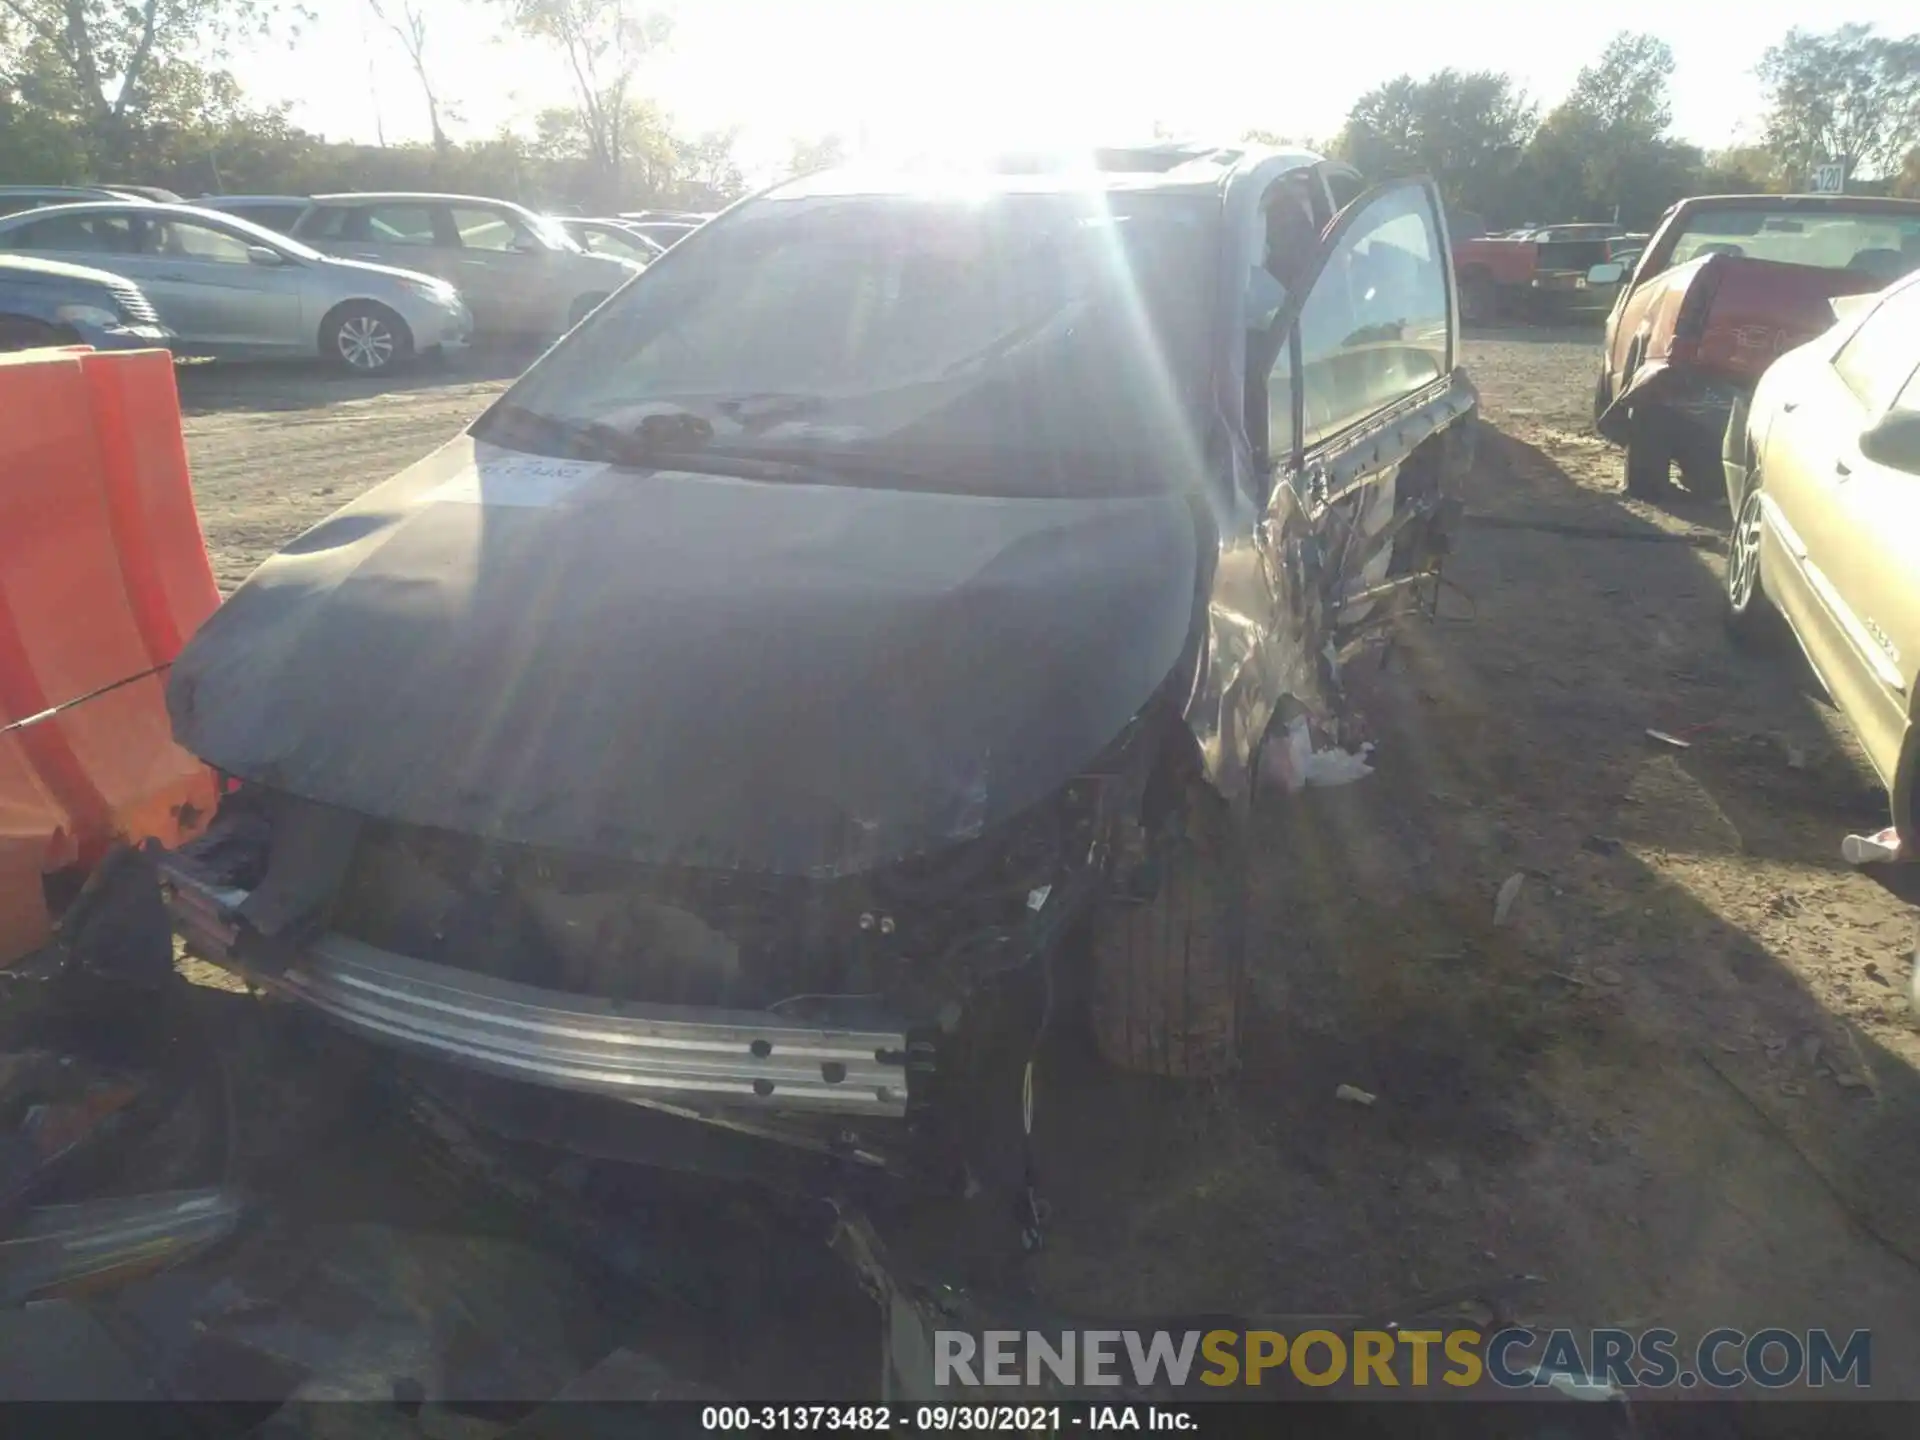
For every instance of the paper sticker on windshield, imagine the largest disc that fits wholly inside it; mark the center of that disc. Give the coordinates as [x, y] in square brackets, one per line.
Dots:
[529, 481]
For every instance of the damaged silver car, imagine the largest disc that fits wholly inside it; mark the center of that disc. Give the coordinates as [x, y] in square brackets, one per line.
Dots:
[900, 577]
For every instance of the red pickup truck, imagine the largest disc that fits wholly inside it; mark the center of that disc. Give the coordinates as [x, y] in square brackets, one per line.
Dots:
[1727, 284]
[1528, 270]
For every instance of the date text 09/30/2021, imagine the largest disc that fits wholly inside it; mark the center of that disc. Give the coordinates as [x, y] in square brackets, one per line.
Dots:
[941, 1419]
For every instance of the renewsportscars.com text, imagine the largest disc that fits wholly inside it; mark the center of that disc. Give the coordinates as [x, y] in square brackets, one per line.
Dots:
[1514, 1358]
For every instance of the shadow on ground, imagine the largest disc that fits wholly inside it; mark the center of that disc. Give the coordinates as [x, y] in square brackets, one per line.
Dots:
[1667, 1087]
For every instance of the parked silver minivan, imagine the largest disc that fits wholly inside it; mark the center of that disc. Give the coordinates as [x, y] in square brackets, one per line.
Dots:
[521, 273]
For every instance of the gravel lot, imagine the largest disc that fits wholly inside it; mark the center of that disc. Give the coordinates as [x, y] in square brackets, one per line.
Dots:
[1679, 1087]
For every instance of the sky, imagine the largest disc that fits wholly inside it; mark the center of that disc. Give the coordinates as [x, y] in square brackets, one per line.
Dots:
[910, 74]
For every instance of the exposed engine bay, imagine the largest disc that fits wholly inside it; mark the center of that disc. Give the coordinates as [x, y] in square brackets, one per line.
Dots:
[907, 939]
[799, 1010]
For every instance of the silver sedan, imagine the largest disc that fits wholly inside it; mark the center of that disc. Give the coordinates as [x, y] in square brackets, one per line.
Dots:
[229, 288]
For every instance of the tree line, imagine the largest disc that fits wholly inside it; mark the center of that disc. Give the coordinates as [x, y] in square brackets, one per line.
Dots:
[140, 91]
[1607, 153]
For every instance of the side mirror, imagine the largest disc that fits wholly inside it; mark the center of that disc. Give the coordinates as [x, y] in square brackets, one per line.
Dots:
[1894, 441]
[1610, 273]
[264, 255]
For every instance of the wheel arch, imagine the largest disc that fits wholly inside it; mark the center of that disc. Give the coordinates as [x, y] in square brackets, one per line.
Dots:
[57, 333]
[1905, 820]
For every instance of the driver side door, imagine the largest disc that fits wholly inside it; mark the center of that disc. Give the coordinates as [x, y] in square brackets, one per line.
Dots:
[1370, 324]
[1365, 422]
[206, 276]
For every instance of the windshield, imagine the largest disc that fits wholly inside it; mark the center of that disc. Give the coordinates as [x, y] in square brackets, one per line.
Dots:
[1881, 245]
[1017, 344]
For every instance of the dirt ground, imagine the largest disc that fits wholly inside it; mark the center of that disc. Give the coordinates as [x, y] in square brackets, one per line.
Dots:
[1677, 1088]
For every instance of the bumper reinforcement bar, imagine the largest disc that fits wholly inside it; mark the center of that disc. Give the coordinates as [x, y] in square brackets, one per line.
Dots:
[674, 1054]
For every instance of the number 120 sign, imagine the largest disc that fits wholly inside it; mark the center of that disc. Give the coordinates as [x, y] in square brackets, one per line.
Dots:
[1829, 179]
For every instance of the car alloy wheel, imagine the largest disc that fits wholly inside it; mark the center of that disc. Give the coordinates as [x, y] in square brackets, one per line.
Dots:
[1743, 555]
[366, 343]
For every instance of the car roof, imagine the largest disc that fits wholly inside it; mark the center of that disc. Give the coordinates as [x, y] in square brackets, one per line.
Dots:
[107, 207]
[1161, 166]
[359, 197]
[56, 270]
[254, 199]
[149, 209]
[95, 192]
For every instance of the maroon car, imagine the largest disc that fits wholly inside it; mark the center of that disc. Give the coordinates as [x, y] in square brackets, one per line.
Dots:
[1727, 284]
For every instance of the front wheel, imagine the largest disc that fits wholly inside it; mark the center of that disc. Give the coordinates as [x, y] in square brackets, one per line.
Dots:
[1750, 616]
[1167, 971]
[365, 339]
[20, 332]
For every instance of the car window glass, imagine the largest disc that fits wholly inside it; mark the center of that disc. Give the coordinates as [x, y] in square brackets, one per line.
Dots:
[1031, 343]
[1280, 430]
[274, 217]
[1374, 327]
[399, 224]
[602, 242]
[180, 240]
[1884, 247]
[486, 229]
[87, 234]
[1881, 354]
[1344, 188]
[328, 222]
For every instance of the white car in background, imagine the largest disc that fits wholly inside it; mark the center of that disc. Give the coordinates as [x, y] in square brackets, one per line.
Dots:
[228, 288]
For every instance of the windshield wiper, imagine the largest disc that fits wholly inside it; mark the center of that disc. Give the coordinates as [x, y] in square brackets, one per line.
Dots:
[514, 425]
[663, 433]
[768, 407]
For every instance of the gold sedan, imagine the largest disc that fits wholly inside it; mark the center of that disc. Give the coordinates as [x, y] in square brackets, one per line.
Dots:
[1825, 486]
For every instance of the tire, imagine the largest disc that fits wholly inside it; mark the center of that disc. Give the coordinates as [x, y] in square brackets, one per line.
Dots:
[1649, 455]
[1479, 301]
[1751, 619]
[583, 306]
[19, 332]
[1602, 397]
[1167, 973]
[365, 339]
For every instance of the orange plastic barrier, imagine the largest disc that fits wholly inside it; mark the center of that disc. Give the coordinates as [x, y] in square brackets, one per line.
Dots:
[103, 576]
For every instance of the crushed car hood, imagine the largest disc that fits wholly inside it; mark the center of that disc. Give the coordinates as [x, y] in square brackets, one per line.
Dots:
[690, 669]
